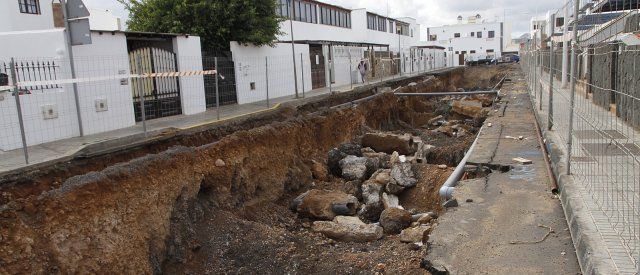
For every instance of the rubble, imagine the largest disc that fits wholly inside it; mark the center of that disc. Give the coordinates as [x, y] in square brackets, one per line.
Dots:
[373, 206]
[348, 229]
[390, 201]
[394, 220]
[220, 163]
[389, 143]
[325, 204]
[403, 175]
[419, 234]
[469, 108]
[357, 168]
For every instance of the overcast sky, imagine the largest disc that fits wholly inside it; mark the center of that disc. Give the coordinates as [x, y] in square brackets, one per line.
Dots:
[428, 12]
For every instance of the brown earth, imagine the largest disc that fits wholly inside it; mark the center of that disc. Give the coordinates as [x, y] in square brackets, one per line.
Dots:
[165, 207]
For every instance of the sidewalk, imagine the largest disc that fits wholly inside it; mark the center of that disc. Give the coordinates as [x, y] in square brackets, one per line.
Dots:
[602, 194]
[65, 149]
[506, 223]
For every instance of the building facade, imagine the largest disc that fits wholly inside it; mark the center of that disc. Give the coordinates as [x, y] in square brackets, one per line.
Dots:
[472, 40]
[330, 42]
[33, 34]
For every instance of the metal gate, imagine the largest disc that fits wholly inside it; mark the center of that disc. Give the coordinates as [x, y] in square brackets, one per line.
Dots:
[161, 94]
[226, 82]
[318, 74]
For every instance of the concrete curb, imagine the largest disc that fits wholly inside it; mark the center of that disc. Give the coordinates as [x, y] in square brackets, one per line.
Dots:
[587, 240]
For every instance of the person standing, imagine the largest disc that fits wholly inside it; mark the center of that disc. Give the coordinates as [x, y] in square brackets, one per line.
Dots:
[363, 68]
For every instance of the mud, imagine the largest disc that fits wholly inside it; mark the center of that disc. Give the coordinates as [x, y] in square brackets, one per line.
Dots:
[165, 207]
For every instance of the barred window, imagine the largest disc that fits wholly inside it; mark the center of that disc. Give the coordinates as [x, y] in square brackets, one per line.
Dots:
[29, 6]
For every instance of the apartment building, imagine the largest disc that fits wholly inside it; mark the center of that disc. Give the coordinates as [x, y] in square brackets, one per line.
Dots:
[329, 42]
[472, 39]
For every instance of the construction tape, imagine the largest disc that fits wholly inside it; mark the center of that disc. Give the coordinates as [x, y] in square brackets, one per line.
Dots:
[103, 78]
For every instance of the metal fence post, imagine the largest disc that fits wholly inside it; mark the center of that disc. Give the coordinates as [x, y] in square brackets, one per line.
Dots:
[16, 94]
[551, 73]
[141, 93]
[534, 85]
[540, 80]
[266, 74]
[350, 69]
[302, 69]
[573, 78]
[215, 64]
[330, 76]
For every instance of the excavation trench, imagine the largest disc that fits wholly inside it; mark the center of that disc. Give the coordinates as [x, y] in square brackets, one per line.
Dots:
[217, 199]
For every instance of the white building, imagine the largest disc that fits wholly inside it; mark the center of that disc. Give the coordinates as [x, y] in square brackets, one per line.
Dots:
[473, 40]
[330, 41]
[31, 33]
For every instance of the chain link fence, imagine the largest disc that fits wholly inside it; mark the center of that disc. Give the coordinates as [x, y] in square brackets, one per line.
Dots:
[595, 113]
[46, 114]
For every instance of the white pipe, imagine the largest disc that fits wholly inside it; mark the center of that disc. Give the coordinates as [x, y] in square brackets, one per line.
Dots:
[446, 191]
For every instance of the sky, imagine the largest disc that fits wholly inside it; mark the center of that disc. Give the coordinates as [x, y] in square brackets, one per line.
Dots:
[429, 13]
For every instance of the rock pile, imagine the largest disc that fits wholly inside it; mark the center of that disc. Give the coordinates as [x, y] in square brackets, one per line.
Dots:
[374, 176]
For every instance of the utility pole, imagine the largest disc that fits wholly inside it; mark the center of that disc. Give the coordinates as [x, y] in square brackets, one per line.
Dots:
[565, 46]
[293, 48]
[72, 66]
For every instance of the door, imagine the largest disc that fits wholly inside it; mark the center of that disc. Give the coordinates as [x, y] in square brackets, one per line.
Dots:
[318, 75]
[161, 94]
[226, 81]
[461, 59]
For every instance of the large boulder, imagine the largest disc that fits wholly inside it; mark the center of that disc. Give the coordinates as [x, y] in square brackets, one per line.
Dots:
[389, 143]
[357, 168]
[325, 204]
[348, 229]
[419, 234]
[394, 220]
[403, 175]
[371, 196]
[469, 108]
[333, 161]
[351, 149]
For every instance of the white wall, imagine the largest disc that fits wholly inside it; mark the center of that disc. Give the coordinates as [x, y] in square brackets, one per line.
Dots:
[468, 43]
[106, 56]
[251, 68]
[104, 20]
[189, 55]
[11, 19]
[28, 47]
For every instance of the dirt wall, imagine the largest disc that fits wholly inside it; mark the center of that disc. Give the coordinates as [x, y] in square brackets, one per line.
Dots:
[133, 217]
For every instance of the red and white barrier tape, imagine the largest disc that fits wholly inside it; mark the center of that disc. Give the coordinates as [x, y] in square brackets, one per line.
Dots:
[113, 77]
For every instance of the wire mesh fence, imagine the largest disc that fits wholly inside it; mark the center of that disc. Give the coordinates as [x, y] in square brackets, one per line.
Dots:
[595, 115]
[45, 113]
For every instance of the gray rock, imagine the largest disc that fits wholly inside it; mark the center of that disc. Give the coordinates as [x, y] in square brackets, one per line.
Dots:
[333, 161]
[403, 175]
[390, 201]
[371, 212]
[349, 229]
[450, 203]
[394, 220]
[354, 168]
[394, 188]
[351, 149]
[388, 143]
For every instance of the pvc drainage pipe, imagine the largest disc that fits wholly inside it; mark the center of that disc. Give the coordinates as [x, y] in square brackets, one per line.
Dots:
[450, 94]
[446, 191]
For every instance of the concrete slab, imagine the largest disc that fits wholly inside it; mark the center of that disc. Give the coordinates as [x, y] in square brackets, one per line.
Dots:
[512, 223]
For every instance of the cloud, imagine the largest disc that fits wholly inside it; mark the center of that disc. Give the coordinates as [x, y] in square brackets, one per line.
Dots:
[429, 13]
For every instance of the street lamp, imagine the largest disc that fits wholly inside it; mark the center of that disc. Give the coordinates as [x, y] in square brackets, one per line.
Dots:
[290, 3]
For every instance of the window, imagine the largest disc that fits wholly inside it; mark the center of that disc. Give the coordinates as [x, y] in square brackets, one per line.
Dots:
[335, 17]
[559, 21]
[391, 24]
[479, 35]
[492, 34]
[457, 52]
[433, 37]
[402, 28]
[371, 21]
[303, 11]
[282, 9]
[473, 51]
[490, 51]
[29, 6]
[456, 35]
[382, 24]
[473, 34]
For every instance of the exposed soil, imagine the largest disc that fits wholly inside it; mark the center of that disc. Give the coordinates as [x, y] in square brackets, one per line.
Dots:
[166, 207]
